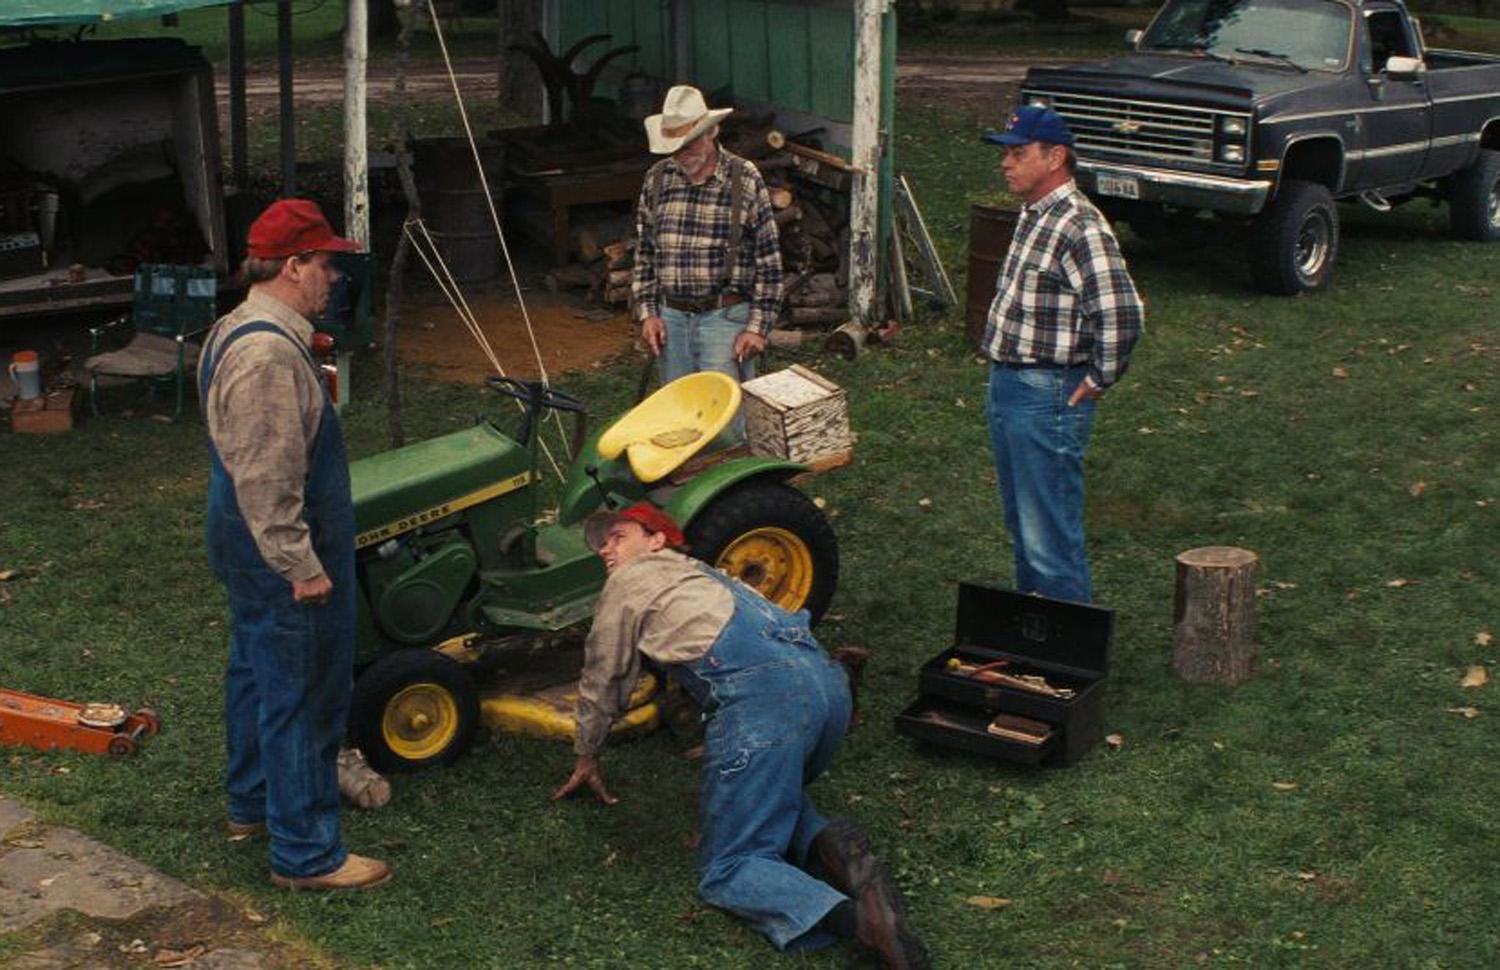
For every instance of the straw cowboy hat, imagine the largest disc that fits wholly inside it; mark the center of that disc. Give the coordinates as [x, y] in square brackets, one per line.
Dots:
[684, 116]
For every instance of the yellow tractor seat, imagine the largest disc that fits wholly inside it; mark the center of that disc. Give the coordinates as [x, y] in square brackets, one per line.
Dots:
[672, 425]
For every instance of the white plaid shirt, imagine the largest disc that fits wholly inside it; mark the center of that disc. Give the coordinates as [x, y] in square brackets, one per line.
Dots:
[1064, 295]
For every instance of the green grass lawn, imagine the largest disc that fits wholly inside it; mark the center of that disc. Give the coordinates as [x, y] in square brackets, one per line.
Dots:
[1332, 811]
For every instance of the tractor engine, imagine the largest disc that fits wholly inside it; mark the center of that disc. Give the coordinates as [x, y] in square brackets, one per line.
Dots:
[415, 582]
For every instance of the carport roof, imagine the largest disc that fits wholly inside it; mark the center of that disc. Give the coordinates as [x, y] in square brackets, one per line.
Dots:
[39, 13]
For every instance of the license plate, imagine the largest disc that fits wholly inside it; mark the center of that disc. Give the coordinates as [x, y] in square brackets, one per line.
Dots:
[1119, 186]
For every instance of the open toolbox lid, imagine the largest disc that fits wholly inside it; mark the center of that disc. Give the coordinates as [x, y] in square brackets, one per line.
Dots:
[1074, 638]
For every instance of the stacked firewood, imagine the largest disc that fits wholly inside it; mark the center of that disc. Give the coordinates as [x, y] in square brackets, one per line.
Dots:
[809, 192]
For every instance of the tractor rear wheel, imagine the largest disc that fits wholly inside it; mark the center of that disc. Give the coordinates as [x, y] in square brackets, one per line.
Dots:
[773, 538]
[413, 709]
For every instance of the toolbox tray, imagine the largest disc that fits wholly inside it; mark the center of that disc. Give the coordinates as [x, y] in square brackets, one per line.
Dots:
[967, 732]
[937, 680]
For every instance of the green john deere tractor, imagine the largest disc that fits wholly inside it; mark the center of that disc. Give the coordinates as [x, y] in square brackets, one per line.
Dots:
[452, 545]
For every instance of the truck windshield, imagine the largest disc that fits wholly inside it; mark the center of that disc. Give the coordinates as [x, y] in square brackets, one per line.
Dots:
[1309, 34]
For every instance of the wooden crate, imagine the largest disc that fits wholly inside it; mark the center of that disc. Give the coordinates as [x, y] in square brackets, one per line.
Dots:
[51, 413]
[798, 415]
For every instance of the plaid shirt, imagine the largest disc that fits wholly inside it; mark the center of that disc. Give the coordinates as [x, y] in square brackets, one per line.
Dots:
[681, 242]
[1064, 295]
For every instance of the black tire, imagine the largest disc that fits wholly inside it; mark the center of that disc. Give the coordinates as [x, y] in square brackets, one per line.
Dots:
[770, 535]
[1296, 240]
[1474, 199]
[413, 709]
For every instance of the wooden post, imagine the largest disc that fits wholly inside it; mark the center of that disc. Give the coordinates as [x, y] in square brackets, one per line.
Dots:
[864, 199]
[288, 110]
[356, 141]
[238, 126]
[1214, 619]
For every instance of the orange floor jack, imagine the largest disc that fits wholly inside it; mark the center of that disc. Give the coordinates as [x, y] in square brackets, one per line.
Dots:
[41, 722]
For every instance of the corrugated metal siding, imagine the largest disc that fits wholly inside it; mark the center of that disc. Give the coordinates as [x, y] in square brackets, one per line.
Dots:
[793, 55]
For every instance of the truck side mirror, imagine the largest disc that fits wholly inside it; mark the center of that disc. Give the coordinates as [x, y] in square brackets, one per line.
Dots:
[1405, 68]
[1132, 39]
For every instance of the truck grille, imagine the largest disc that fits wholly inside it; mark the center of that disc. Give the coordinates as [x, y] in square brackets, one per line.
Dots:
[1138, 130]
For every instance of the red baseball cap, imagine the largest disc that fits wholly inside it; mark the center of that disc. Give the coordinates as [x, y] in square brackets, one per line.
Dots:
[292, 226]
[644, 514]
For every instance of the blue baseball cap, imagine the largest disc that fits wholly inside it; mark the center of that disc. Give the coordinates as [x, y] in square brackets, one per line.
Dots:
[1032, 123]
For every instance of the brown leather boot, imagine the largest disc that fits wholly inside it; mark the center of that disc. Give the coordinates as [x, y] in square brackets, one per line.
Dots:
[357, 872]
[240, 831]
[842, 857]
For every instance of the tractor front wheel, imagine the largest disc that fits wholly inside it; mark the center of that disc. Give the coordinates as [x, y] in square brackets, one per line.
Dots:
[413, 709]
[773, 538]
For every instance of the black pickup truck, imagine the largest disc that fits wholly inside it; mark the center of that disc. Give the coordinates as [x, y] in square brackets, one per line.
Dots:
[1270, 111]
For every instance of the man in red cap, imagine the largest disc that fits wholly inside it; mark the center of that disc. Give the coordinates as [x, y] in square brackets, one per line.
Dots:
[280, 537]
[776, 709]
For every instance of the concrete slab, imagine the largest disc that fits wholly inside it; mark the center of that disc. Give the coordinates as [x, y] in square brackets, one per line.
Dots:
[66, 870]
[13, 815]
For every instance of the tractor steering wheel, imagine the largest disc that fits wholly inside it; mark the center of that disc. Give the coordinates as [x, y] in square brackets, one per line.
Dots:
[534, 393]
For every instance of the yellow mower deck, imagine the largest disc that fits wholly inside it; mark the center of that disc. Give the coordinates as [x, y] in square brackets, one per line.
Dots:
[549, 713]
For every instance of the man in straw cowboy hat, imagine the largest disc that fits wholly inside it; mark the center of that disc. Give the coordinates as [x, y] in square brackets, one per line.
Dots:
[708, 261]
[776, 707]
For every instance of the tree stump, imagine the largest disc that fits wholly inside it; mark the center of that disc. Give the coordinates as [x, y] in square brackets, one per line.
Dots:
[1214, 640]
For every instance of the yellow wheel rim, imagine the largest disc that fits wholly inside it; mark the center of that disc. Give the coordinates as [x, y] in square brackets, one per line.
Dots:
[420, 721]
[777, 563]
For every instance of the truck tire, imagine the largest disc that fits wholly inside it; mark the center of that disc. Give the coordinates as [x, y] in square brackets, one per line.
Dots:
[1295, 241]
[773, 538]
[1474, 199]
[412, 709]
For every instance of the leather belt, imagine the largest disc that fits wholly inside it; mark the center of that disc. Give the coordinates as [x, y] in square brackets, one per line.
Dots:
[703, 304]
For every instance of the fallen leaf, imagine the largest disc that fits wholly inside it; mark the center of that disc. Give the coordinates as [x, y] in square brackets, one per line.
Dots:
[609, 860]
[1475, 676]
[1116, 741]
[1283, 584]
[1469, 386]
[925, 503]
[1144, 430]
[1307, 876]
[1340, 372]
[1398, 583]
[1284, 785]
[958, 402]
[1415, 489]
[1483, 638]
[178, 958]
[6, 575]
[820, 502]
[1467, 712]
[1246, 392]
[254, 917]
[987, 902]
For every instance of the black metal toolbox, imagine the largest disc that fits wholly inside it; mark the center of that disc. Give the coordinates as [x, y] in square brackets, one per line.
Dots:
[1011, 637]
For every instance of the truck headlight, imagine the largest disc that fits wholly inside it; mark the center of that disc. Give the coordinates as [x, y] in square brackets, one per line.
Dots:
[1231, 153]
[1038, 101]
[1232, 126]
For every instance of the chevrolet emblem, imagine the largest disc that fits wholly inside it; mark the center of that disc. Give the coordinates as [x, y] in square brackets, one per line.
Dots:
[1127, 127]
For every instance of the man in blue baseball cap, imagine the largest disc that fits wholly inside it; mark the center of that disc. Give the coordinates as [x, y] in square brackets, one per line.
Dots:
[1060, 331]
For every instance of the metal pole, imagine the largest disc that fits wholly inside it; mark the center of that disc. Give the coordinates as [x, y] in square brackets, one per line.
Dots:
[288, 117]
[239, 153]
[864, 202]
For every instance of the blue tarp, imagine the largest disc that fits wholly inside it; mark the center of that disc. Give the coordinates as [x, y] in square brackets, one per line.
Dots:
[39, 13]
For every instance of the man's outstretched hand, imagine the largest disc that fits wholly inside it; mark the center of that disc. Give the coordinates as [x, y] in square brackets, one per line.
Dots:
[586, 772]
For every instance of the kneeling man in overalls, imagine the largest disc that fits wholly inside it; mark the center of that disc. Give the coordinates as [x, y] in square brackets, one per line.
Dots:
[777, 708]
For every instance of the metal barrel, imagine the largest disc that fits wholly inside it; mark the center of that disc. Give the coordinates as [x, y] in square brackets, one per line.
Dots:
[990, 231]
[454, 206]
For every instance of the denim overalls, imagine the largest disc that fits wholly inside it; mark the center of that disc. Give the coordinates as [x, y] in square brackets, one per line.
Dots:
[776, 708]
[290, 672]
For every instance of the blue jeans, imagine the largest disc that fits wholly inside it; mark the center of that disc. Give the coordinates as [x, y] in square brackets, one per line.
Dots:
[1039, 444]
[777, 709]
[705, 341]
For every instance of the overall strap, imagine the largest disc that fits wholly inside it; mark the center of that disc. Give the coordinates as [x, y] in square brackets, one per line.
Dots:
[736, 217]
[206, 376]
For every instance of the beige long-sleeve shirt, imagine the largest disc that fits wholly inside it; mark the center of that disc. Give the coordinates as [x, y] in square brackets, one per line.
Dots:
[660, 605]
[263, 411]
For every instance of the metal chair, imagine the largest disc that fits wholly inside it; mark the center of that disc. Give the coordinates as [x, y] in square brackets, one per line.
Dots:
[172, 306]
